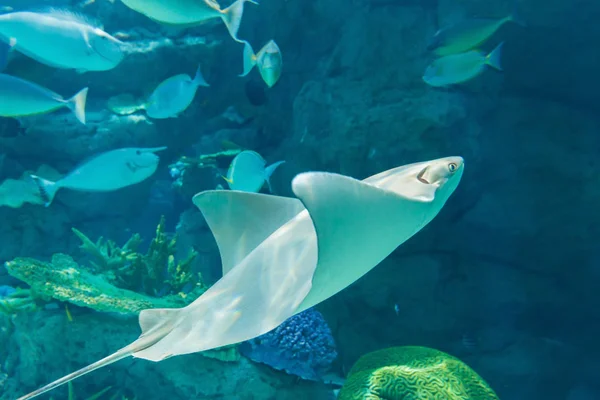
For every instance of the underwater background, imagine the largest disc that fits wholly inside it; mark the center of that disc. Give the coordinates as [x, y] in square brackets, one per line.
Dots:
[505, 278]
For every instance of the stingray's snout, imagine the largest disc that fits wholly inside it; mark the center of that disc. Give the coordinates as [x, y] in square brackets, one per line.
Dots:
[455, 163]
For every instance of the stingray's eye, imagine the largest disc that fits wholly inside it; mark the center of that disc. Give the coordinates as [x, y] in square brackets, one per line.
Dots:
[452, 167]
[137, 152]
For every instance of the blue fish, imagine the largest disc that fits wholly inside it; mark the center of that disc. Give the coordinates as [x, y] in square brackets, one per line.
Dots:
[459, 68]
[248, 172]
[174, 95]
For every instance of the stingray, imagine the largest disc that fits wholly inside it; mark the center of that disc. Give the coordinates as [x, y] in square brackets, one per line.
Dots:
[283, 255]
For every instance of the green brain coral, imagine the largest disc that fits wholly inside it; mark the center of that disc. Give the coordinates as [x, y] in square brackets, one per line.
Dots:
[413, 373]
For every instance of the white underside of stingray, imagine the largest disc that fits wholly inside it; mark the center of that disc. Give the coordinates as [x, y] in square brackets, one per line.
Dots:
[284, 255]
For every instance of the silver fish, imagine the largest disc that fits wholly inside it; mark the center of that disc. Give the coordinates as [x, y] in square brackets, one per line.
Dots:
[19, 98]
[191, 12]
[109, 171]
[61, 39]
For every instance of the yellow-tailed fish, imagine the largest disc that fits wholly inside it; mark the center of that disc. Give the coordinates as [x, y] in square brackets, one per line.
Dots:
[61, 39]
[268, 60]
[458, 68]
[248, 172]
[191, 12]
[466, 35]
[106, 172]
[19, 98]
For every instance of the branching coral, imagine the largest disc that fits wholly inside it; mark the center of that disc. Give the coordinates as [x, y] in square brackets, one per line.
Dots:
[188, 172]
[20, 300]
[95, 396]
[106, 256]
[154, 273]
[302, 346]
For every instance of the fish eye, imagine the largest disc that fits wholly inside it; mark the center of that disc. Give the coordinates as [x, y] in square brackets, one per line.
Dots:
[452, 167]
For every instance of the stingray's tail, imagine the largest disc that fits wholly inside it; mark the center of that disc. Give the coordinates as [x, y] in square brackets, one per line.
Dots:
[119, 355]
[155, 324]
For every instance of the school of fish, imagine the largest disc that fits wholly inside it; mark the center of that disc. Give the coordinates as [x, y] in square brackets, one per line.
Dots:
[458, 47]
[67, 40]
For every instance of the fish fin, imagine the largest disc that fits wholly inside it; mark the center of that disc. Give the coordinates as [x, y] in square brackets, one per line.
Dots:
[77, 105]
[152, 319]
[5, 50]
[199, 78]
[493, 59]
[249, 59]
[232, 16]
[64, 14]
[356, 223]
[240, 221]
[230, 181]
[119, 355]
[515, 16]
[47, 189]
[86, 39]
[269, 171]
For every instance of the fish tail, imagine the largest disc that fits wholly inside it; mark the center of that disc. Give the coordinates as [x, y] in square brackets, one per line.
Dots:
[77, 105]
[269, 171]
[249, 59]
[493, 59]
[5, 49]
[232, 16]
[515, 16]
[119, 355]
[199, 78]
[47, 189]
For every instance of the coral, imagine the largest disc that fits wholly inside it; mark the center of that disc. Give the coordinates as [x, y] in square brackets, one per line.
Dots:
[63, 279]
[19, 300]
[413, 372]
[302, 346]
[154, 273]
[95, 396]
[189, 171]
[6, 290]
[225, 353]
[106, 255]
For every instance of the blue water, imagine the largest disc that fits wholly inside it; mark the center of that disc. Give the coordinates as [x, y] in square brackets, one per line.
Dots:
[504, 278]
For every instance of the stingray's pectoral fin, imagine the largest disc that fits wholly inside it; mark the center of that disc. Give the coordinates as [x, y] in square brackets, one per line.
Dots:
[240, 221]
[156, 325]
[357, 225]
